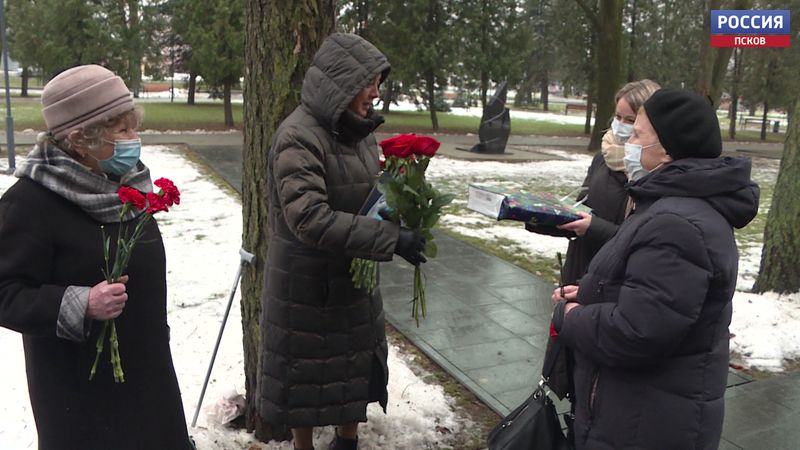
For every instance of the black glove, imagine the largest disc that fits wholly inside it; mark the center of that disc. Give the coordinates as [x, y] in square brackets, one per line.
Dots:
[386, 214]
[410, 246]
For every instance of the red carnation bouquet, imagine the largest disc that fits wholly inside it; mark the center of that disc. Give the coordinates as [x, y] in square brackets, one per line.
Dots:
[412, 201]
[152, 203]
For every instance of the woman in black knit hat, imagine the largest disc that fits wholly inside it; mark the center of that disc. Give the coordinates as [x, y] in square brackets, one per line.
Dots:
[648, 323]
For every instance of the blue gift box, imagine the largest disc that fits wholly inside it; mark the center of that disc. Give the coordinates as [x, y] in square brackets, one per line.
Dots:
[541, 208]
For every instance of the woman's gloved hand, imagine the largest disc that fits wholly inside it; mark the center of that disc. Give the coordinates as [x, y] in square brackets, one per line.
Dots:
[410, 246]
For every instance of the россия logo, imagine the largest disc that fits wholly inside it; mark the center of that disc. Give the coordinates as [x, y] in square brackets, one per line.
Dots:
[750, 28]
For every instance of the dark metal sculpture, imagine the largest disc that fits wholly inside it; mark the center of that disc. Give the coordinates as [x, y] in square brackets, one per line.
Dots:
[495, 123]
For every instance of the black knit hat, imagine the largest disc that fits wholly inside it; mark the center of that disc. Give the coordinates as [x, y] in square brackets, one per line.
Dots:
[686, 124]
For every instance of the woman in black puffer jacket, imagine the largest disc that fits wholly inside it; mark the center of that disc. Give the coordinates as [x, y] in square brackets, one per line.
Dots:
[649, 321]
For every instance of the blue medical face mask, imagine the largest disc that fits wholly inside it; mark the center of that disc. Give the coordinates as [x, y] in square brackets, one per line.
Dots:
[622, 131]
[633, 161]
[126, 155]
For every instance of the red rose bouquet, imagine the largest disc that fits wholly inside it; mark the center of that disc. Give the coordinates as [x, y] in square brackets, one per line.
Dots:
[412, 201]
[151, 203]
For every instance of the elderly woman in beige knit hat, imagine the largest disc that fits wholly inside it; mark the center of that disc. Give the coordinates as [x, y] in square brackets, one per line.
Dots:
[51, 285]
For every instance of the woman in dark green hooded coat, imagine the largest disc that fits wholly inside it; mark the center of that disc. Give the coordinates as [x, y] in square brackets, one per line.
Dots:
[323, 341]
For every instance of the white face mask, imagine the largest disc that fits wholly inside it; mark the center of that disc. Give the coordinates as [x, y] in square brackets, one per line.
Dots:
[633, 161]
[622, 131]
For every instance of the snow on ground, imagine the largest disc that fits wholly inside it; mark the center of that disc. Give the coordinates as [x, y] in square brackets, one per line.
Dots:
[202, 237]
[765, 328]
[576, 119]
[562, 175]
[477, 111]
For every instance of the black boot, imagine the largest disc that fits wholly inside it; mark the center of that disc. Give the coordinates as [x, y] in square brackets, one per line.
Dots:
[340, 443]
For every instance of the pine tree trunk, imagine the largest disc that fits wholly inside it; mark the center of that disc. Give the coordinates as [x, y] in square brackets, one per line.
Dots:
[609, 63]
[226, 101]
[484, 49]
[192, 88]
[545, 95]
[703, 82]
[26, 76]
[287, 33]
[632, 49]
[779, 270]
[484, 87]
[587, 125]
[523, 94]
[734, 111]
[722, 57]
[430, 81]
[135, 51]
[388, 95]
[591, 82]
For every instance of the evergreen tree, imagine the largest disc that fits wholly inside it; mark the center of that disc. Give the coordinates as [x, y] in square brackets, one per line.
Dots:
[216, 35]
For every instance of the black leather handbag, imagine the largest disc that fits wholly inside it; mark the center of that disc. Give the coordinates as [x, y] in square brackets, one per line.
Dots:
[532, 425]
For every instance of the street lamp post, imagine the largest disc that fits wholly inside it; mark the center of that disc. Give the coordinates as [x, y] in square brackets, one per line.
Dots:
[172, 69]
[9, 118]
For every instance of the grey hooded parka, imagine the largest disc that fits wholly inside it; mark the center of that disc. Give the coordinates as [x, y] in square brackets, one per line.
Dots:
[323, 341]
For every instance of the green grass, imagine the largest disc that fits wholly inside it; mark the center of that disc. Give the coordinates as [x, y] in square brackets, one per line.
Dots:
[16, 82]
[754, 136]
[180, 116]
[27, 114]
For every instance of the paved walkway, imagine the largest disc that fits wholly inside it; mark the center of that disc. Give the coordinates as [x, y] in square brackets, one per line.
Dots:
[488, 319]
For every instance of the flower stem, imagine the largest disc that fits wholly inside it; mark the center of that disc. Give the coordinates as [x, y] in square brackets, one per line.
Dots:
[99, 348]
[419, 296]
[365, 274]
[116, 361]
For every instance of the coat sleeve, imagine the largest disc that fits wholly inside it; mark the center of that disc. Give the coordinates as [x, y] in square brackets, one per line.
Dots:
[601, 230]
[584, 190]
[299, 174]
[667, 277]
[28, 304]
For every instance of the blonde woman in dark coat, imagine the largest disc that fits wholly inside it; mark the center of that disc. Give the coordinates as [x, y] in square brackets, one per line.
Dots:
[604, 186]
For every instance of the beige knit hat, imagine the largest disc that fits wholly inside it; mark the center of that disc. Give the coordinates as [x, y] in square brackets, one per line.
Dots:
[82, 96]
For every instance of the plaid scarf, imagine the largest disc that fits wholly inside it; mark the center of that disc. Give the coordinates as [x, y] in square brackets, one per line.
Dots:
[95, 194]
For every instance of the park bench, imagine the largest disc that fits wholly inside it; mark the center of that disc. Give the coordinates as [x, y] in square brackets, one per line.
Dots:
[576, 107]
[155, 87]
[771, 120]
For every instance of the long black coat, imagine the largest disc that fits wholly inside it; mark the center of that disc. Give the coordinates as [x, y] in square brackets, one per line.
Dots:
[47, 244]
[608, 200]
[651, 339]
[324, 345]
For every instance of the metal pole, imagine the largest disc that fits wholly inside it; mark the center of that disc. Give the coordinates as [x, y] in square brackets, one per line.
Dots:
[245, 257]
[172, 69]
[9, 118]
